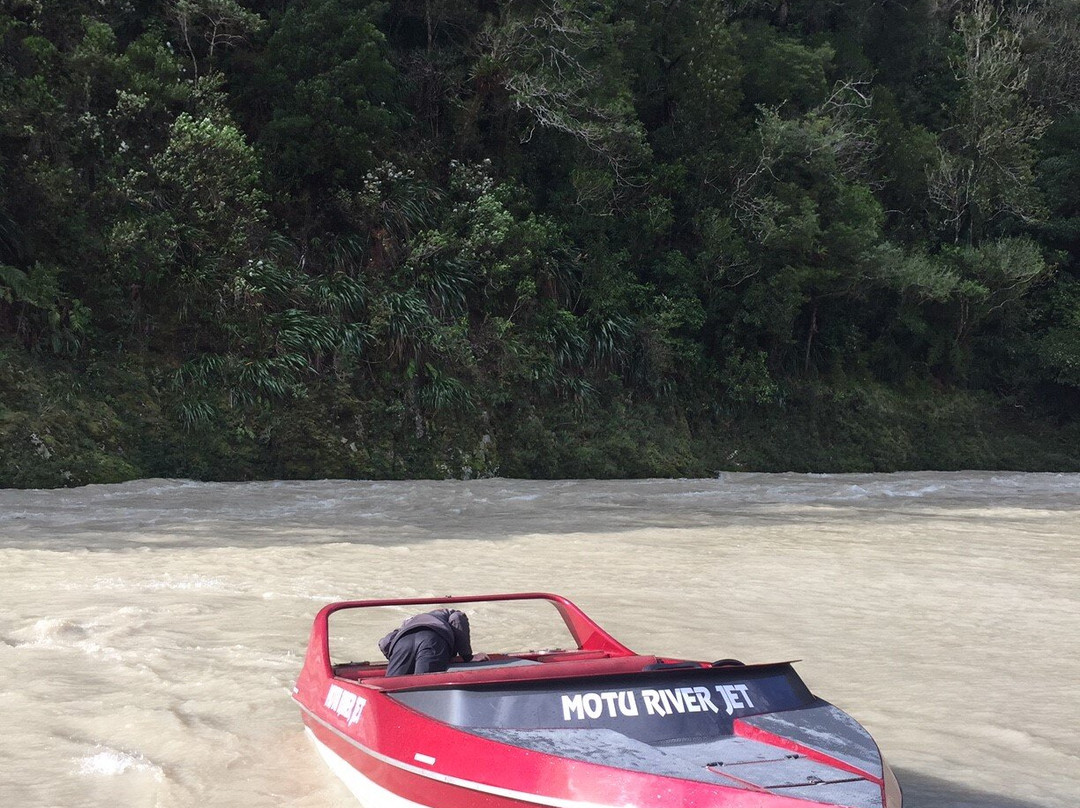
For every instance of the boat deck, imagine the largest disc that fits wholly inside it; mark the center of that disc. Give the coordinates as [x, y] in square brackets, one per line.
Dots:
[734, 761]
[830, 760]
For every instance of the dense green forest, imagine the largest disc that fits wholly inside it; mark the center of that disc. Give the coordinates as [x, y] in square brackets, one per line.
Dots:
[345, 238]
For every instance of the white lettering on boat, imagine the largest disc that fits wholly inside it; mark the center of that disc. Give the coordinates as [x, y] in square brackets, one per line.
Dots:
[345, 703]
[660, 702]
[593, 705]
[735, 697]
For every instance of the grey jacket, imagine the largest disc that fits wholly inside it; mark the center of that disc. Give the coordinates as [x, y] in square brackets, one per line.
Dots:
[452, 625]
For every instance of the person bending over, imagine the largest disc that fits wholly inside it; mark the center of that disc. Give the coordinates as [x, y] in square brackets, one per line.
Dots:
[427, 642]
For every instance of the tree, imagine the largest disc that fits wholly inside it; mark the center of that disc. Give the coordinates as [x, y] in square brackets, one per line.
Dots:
[805, 203]
[208, 26]
[558, 62]
[196, 215]
[1050, 33]
[987, 156]
[326, 97]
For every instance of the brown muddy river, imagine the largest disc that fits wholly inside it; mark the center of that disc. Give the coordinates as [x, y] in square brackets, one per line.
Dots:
[150, 632]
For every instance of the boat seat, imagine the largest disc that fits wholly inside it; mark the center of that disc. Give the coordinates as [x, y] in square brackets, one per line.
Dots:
[548, 670]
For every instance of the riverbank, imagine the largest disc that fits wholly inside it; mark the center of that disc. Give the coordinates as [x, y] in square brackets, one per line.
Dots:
[112, 419]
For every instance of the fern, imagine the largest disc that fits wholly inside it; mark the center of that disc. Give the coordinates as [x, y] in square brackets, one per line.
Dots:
[609, 337]
[14, 285]
[440, 392]
[409, 323]
[337, 294]
[300, 331]
[194, 412]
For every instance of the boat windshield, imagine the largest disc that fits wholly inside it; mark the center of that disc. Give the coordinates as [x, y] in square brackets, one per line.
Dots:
[512, 627]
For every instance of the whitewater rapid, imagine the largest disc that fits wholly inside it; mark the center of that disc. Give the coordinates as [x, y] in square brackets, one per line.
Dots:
[150, 632]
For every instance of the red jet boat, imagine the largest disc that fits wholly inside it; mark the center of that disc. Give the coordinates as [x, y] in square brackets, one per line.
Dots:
[588, 724]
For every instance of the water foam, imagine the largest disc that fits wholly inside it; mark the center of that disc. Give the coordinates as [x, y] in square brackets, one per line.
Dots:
[54, 633]
[107, 762]
[163, 583]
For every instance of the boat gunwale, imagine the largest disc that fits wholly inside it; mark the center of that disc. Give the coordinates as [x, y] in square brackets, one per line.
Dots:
[564, 670]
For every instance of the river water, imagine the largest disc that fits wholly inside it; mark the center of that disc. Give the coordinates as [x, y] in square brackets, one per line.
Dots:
[150, 632]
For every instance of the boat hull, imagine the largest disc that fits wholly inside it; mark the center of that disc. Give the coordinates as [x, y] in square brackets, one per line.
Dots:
[599, 727]
[380, 780]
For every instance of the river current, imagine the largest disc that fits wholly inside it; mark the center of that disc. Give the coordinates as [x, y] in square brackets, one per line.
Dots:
[150, 632]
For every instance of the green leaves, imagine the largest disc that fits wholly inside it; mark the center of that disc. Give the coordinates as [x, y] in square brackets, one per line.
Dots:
[328, 91]
[209, 175]
[196, 214]
[47, 316]
[780, 70]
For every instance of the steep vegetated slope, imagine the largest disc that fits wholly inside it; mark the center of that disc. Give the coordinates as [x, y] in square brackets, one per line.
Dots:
[341, 238]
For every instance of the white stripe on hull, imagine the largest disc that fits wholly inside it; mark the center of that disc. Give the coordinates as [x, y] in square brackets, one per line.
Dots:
[371, 794]
[401, 802]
